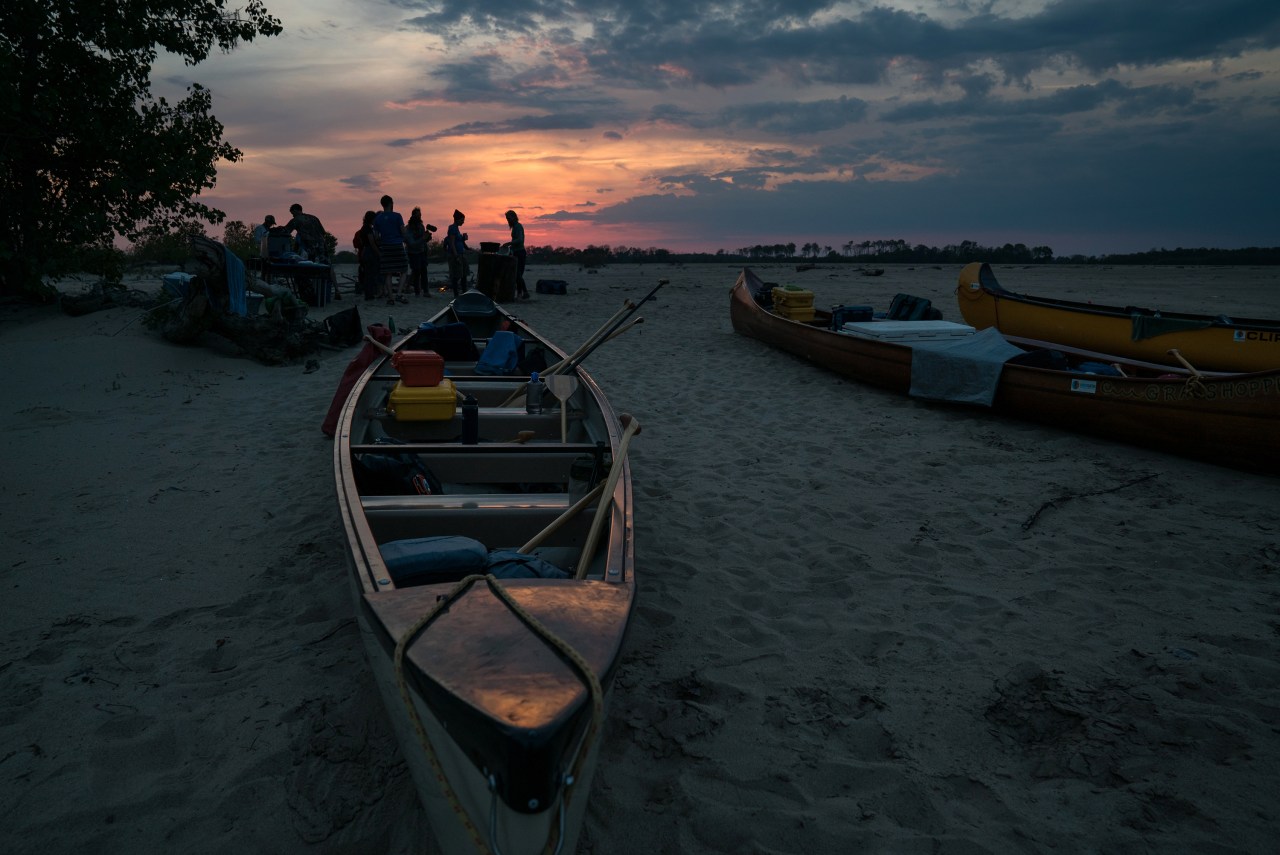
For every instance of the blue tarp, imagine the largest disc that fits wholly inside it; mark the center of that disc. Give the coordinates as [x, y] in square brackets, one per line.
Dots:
[235, 284]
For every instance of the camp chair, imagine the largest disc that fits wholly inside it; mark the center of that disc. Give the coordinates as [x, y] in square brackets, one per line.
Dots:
[473, 304]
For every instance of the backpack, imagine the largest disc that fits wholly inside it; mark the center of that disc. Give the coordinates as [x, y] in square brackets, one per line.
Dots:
[501, 355]
[393, 474]
[344, 328]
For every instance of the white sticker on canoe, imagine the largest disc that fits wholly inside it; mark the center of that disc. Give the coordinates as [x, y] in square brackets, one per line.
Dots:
[1088, 387]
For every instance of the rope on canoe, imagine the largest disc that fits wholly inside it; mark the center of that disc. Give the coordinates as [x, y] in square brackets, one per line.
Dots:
[573, 657]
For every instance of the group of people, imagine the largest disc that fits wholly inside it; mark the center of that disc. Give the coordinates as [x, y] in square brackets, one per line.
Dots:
[392, 253]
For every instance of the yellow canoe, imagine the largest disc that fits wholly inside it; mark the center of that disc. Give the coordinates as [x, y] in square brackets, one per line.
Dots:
[1210, 343]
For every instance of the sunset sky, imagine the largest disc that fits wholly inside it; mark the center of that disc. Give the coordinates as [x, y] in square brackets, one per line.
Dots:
[1089, 126]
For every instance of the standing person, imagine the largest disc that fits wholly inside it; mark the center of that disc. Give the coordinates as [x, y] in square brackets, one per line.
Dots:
[455, 248]
[312, 245]
[517, 250]
[263, 229]
[393, 261]
[416, 236]
[366, 245]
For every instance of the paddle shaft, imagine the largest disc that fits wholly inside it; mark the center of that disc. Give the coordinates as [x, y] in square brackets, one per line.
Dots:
[606, 498]
[555, 369]
[1187, 365]
[577, 359]
[558, 367]
[559, 521]
[563, 388]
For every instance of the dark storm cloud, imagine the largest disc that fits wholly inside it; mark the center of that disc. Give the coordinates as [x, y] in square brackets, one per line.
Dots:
[521, 124]
[1127, 100]
[795, 117]
[489, 79]
[730, 44]
[774, 117]
[360, 182]
[1189, 184]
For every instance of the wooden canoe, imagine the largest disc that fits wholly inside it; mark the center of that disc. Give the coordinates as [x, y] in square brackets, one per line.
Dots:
[1228, 419]
[498, 697]
[1209, 342]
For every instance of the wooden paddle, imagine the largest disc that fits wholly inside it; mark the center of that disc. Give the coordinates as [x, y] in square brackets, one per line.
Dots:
[1195, 383]
[559, 367]
[559, 521]
[583, 353]
[631, 427]
[1187, 365]
[627, 306]
[606, 328]
[562, 387]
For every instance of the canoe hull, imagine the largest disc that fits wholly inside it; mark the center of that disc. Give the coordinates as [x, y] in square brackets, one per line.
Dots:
[510, 830]
[1243, 345]
[507, 679]
[1229, 420]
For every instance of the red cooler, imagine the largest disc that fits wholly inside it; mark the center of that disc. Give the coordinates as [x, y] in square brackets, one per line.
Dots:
[419, 367]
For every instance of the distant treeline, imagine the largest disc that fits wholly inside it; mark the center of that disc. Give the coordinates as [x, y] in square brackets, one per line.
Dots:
[175, 246]
[899, 252]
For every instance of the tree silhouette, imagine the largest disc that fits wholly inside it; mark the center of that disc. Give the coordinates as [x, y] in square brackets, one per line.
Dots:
[86, 152]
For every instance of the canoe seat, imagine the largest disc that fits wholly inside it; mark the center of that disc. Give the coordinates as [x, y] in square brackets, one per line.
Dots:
[474, 304]
[501, 520]
[466, 501]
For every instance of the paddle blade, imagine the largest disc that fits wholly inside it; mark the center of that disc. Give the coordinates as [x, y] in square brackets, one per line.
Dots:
[561, 386]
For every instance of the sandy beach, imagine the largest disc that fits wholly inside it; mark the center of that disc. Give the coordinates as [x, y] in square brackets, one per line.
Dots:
[866, 623]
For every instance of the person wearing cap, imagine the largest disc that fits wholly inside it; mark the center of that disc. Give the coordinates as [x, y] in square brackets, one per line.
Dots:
[455, 247]
[518, 252]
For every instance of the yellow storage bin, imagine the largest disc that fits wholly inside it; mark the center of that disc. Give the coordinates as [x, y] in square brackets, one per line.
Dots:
[792, 298]
[797, 313]
[423, 403]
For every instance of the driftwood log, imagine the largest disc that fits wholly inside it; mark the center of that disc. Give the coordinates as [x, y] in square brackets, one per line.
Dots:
[282, 334]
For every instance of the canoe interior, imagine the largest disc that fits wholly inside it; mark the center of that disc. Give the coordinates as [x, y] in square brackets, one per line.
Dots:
[509, 486]
[505, 700]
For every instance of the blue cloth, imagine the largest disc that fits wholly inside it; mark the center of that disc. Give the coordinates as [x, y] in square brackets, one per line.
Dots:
[964, 370]
[501, 355]
[235, 283]
[509, 564]
[423, 560]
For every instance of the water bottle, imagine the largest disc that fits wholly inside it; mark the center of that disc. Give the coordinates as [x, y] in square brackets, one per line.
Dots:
[533, 394]
[470, 421]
